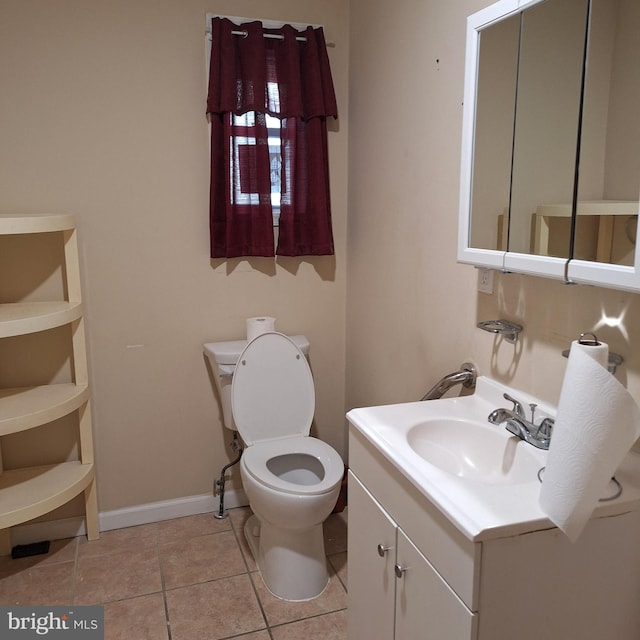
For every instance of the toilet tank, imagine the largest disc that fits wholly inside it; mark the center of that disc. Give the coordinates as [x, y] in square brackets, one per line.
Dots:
[223, 357]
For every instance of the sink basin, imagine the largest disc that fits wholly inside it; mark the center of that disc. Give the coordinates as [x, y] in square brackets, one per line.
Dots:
[480, 477]
[483, 478]
[474, 451]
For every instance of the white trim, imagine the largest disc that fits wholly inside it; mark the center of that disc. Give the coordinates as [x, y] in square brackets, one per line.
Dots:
[128, 517]
[606, 274]
[491, 258]
[534, 265]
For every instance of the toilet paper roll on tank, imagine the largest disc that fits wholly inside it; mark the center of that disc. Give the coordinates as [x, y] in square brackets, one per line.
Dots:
[596, 425]
[259, 325]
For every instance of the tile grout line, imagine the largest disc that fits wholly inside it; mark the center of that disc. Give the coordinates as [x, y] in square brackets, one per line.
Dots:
[236, 529]
[76, 561]
[332, 570]
[336, 572]
[164, 591]
[309, 617]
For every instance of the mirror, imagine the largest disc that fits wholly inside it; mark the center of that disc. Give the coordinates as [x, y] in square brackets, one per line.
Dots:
[551, 133]
[552, 40]
[609, 170]
[493, 142]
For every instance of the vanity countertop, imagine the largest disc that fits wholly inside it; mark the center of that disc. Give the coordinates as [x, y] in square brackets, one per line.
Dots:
[480, 510]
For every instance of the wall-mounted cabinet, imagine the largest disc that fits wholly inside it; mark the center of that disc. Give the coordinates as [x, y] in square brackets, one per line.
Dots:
[27, 492]
[550, 171]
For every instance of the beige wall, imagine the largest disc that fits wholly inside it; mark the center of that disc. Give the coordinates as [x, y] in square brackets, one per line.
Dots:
[102, 115]
[412, 309]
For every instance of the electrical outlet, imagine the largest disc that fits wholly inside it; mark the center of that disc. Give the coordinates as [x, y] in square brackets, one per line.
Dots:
[485, 280]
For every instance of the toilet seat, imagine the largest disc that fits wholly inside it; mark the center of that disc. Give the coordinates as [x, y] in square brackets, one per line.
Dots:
[273, 401]
[272, 391]
[256, 461]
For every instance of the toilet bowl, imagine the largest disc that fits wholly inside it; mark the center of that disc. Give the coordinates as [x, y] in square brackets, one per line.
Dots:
[292, 480]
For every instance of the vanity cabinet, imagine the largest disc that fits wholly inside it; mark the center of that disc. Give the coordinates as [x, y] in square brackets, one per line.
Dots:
[394, 590]
[372, 557]
[27, 492]
[530, 585]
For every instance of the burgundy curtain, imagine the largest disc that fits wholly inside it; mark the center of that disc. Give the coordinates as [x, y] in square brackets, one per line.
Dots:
[290, 80]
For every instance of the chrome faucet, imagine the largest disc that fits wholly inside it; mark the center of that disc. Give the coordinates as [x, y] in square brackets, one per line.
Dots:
[537, 435]
[466, 377]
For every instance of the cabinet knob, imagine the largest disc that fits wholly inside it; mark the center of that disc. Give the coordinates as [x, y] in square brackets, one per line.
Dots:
[399, 570]
[382, 550]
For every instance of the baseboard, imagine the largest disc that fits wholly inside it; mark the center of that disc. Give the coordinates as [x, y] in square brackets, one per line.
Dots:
[127, 517]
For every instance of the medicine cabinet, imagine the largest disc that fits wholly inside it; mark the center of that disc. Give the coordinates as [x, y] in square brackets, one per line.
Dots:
[550, 170]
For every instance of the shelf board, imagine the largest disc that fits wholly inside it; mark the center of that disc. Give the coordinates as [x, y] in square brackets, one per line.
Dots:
[28, 407]
[38, 223]
[31, 492]
[590, 208]
[21, 318]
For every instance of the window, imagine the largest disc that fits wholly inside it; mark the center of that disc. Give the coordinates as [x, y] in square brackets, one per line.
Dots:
[270, 94]
[242, 158]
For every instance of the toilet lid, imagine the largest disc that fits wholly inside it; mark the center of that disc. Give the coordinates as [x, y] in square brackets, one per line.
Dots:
[272, 393]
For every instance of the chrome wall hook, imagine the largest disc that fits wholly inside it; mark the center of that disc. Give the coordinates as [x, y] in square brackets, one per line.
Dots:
[508, 330]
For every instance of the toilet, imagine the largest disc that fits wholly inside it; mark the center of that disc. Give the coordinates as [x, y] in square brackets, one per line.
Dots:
[292, 479]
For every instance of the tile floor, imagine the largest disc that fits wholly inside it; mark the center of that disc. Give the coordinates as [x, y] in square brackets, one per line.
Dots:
[190, 578]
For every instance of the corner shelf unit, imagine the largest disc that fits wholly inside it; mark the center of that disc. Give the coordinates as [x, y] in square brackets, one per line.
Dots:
[27, 493]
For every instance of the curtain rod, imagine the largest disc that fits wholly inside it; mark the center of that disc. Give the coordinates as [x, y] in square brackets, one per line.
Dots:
[266, 24]
[277, 36]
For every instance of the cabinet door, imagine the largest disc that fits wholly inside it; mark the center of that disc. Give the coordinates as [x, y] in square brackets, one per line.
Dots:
[371, 558]
[426, 607]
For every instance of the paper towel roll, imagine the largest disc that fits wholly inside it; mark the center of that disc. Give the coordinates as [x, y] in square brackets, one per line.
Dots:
[260, 325]
[596, 424]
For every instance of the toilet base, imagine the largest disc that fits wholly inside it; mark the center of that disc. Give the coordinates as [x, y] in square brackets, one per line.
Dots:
[292, 563]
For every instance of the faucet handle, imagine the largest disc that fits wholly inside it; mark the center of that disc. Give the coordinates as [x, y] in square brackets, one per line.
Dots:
[517, 406]
[546, 428]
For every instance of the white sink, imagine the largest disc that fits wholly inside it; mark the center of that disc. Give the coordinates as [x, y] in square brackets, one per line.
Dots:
[475, 451]
[484, 479]
[481, 476]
